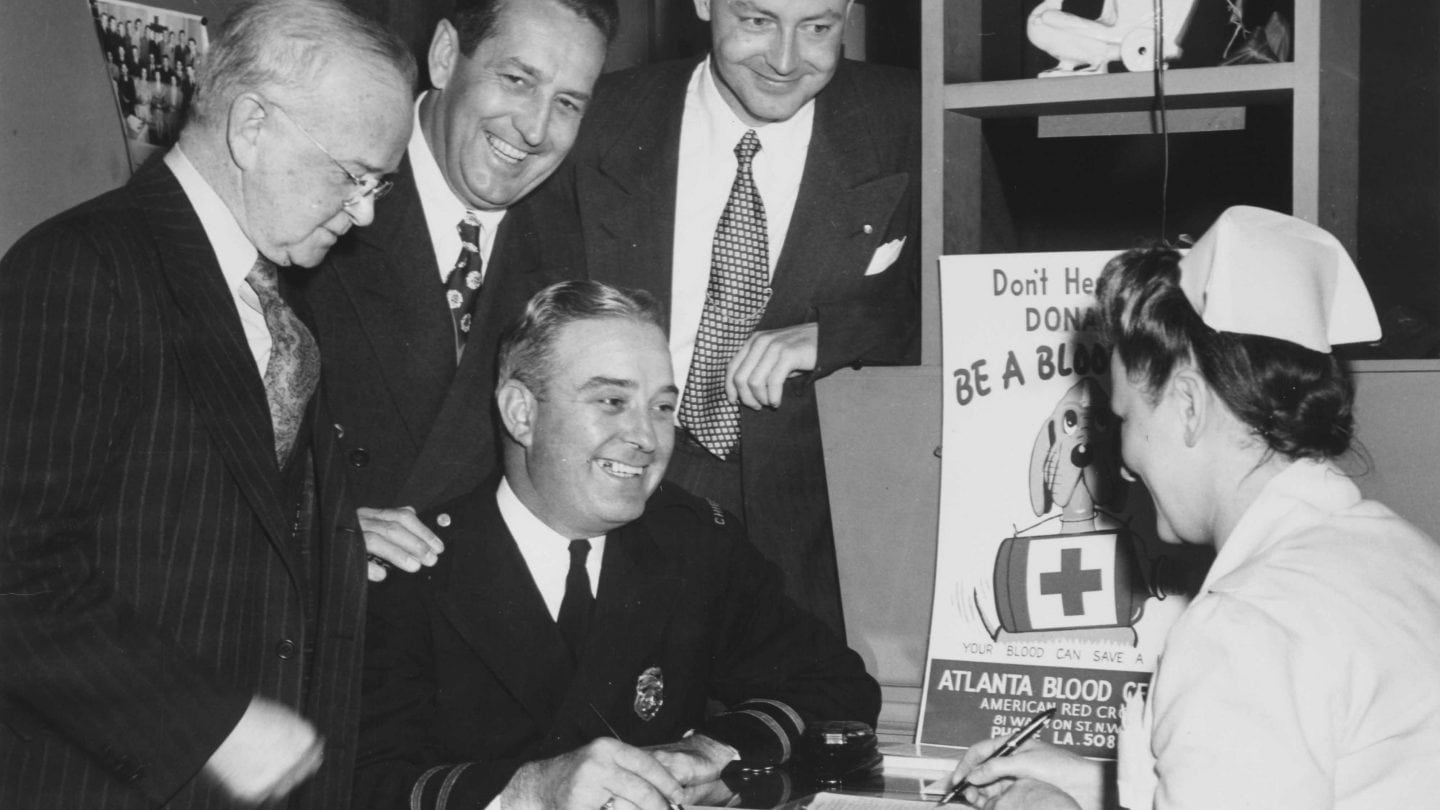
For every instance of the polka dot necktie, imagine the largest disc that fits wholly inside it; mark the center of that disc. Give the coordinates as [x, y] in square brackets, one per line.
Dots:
[294, 366]
[462, 285]
[735, 299]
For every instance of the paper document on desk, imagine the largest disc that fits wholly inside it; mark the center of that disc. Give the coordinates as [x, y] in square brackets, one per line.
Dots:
[844, 801]
[915, 759]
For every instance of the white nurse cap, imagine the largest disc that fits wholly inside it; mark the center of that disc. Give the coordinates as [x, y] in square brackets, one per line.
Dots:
[1259, 272]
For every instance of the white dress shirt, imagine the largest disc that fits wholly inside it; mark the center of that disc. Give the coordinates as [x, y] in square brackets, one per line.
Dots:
[709, 132]
[546, 551]
[443, 210]
[232, 248]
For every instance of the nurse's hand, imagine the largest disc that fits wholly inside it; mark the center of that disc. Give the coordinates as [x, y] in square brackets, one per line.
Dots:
[1029, 794]
[1082, 780]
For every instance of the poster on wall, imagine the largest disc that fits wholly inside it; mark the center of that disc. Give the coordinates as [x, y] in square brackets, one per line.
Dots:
[1051, 590]
[151, 55]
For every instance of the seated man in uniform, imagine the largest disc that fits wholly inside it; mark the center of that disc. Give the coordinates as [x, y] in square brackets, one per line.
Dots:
[588, 603]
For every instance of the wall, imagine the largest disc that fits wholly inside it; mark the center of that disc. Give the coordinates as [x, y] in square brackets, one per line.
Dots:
[60, 137]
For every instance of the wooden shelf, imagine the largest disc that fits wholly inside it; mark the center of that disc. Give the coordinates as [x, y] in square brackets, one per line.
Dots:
[1123, 92]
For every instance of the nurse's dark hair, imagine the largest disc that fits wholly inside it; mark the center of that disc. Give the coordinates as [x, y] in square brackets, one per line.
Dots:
[475, 20]
[1297, 400]
[527, 349]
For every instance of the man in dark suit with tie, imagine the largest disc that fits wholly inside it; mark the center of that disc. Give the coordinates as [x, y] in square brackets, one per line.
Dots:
[407, 329]
[582, 600]
[182, 583]
[769, 195]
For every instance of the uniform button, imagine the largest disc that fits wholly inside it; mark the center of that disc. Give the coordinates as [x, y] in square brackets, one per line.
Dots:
[442, 520]
[359, 457]
[285, 649]
[868, 229]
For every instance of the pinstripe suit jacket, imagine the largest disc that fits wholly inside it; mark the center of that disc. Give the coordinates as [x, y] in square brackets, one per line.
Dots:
[151, 579]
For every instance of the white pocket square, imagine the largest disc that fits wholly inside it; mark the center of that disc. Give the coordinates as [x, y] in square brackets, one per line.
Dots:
[885, 255]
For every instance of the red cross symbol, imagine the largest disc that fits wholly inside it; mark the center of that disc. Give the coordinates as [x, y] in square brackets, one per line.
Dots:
[1072, 582]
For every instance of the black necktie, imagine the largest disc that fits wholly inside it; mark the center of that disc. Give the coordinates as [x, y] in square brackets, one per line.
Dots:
[294, 366]
[462, 286]
[574, 618]
[735, 299]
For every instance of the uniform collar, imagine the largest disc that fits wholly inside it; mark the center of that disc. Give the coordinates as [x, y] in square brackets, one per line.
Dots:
[1304, 492]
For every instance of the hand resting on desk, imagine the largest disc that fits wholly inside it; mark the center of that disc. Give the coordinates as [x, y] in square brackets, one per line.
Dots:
[589, 776]
[695, 759]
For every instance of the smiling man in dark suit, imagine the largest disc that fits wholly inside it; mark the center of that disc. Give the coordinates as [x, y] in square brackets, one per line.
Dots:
[181, 584]
[583, 598]
[408, 330]
[768, 195]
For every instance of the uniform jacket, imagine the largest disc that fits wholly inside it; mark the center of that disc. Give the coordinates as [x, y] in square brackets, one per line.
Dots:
[859, 192]
[154, 576]
[1303, 674]
[467, 676]
[417, 429]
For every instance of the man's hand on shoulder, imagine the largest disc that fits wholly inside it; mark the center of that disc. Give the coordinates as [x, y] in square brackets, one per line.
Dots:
[757, 373]
[268, 753]
[398, 538]
[590, 776]
[695, 760]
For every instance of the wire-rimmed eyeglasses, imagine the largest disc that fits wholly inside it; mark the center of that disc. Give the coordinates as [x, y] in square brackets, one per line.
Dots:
[373, 187]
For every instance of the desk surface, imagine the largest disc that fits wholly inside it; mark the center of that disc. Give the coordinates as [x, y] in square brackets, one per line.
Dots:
[789, 786]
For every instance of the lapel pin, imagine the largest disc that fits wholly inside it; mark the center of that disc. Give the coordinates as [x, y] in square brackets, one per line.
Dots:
[868, 229]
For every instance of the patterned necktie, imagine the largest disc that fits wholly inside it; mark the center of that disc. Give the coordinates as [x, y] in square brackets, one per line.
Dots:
[735, 299]
[574, 618]
[294, 366]
[462, 286]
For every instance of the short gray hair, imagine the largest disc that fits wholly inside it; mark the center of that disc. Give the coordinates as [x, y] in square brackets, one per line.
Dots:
[266, 44]
[527, 349]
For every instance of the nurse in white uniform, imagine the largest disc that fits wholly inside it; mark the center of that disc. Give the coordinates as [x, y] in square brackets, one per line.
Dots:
[1306, 672]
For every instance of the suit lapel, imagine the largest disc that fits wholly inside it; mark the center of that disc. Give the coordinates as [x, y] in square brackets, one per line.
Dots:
[492, 602]
[843, 190]
[213, 353]
[630, 240]
[395, 292]
[439, 471]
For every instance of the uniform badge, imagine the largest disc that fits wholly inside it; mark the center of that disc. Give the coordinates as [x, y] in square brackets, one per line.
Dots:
[649, 693]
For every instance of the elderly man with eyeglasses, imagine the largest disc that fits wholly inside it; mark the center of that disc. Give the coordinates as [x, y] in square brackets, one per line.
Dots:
[183, 582]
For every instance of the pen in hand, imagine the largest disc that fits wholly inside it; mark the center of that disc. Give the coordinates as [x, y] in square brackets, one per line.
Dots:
[616, 735]
[1006, 749]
